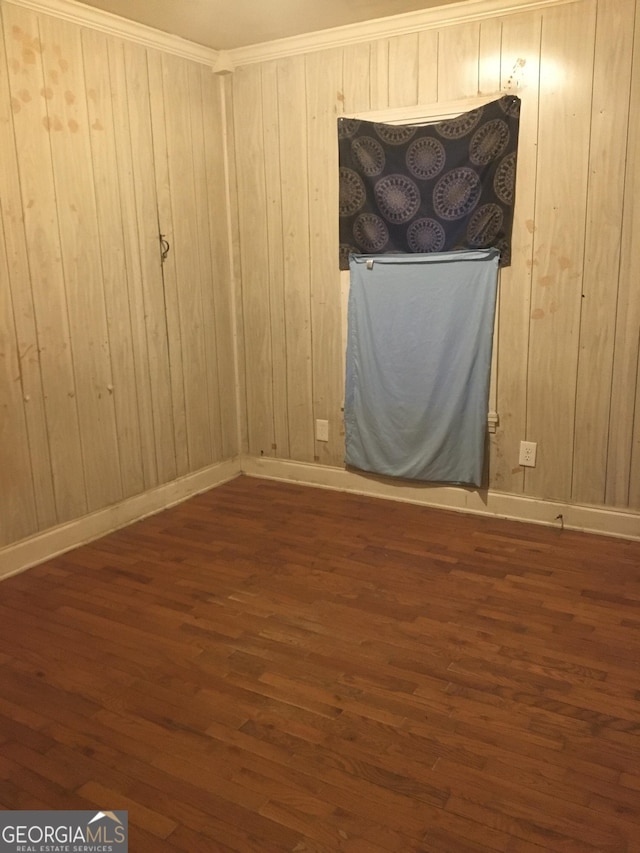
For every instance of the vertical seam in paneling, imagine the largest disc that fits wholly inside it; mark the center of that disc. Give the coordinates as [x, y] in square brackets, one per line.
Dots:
[199, 250]
[584, 257]
[5, 70]
[206, 279]
[495, 355]
[381, 50]
[309, 241]
[268, 259]
[437, 65]
[309, 244]
[284, 270]
[66, 297]
[145, 307]
[478, 54]
[635, 61]
[242, 297]
[636, 402]
[216, 367]
[235, 320]
[19, 363]
[130, 277]
[533, 243]
[162, 278]
[101, 264]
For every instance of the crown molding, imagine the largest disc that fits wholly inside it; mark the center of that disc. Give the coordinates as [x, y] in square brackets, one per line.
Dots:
[114, 25]
[225, 62]
[378, 28]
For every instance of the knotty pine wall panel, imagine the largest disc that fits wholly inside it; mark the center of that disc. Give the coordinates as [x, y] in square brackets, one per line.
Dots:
[623, 450]
[566, 345]
[115, 376]
[566, 84]
[296, 215]
[403, 70]
[428, 67]
[520, 39]
[380, 73]
[149, 298]
[323, 84]
[355, 92]
[275, 250]
[19, 509]
[191, 258]
[216, 120]
[116, 277]
[164, 201]
[260, 240]
[21, 427]
[606, 191]
[65, 96]
[33, 122]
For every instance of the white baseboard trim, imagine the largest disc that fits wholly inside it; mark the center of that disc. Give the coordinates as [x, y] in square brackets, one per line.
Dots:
[44, 546]
[36, 549]
[601, 520]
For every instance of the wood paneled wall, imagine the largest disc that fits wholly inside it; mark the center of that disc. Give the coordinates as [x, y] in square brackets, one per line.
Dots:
[116, 372]
[569, 306]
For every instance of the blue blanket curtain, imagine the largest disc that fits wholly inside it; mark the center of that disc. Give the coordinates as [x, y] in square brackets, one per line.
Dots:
[419, 345]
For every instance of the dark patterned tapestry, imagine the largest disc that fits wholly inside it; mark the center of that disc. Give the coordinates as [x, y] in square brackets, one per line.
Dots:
[429, 188]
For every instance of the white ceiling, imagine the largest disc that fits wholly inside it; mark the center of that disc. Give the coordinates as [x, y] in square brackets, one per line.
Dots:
[227, 24]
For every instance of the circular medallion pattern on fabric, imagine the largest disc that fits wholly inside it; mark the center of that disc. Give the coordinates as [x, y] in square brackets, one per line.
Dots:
[370, 232]
[485, 225]
[425, 235]
[425, 157]
[456, 193]
[369, 154]
[488, 142]
[352, 192]
[510, 105]
[504, 180]
[347, 127]
[395, 134]
[460, 126]
[398, 198]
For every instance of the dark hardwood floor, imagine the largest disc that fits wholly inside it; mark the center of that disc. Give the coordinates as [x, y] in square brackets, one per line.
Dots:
[274, 668]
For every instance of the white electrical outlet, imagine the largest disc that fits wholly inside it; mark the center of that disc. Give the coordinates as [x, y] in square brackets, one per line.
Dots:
[322, 430]
[528, 451]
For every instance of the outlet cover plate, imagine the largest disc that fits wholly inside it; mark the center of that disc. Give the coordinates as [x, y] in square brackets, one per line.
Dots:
[528, 453]
[322, 430]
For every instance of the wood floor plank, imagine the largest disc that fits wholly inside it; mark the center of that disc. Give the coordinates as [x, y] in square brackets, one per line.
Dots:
[268, 667]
